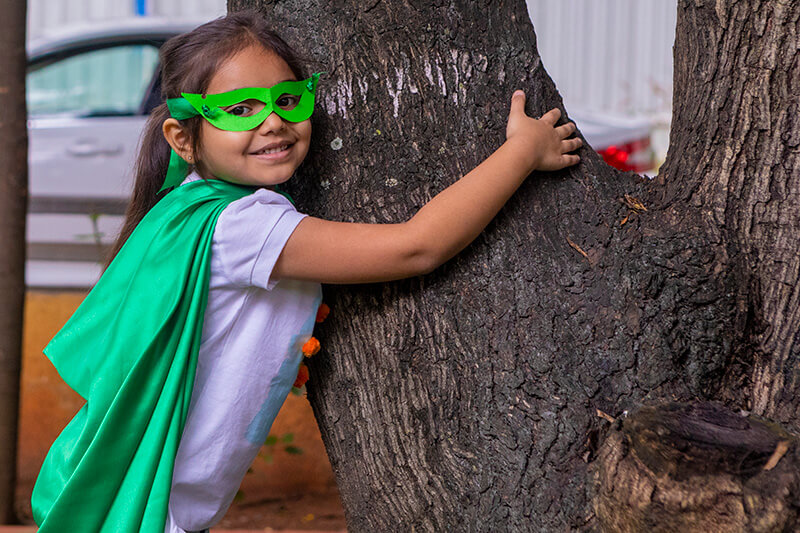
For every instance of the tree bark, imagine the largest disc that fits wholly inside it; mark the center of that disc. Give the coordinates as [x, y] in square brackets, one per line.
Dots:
[467, 400]
[13, 198]
[697, 468]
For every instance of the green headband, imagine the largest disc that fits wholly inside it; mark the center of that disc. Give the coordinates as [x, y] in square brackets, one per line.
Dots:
[291, 100]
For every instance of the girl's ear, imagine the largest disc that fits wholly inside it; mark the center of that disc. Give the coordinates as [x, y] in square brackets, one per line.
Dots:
[178, 139]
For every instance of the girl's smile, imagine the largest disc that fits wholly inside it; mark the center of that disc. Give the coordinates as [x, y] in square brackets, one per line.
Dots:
[273, 151]
[266, 155]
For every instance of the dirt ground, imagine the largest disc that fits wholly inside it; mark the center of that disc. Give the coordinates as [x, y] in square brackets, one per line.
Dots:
[318, 512]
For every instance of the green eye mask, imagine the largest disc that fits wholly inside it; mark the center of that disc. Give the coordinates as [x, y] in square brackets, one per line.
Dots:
[241, 110]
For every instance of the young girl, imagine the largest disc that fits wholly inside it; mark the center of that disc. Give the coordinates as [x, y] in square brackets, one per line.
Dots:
[189, 343]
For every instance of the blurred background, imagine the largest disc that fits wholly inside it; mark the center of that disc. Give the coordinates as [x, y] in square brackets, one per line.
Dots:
[92, 80]
[90, 85]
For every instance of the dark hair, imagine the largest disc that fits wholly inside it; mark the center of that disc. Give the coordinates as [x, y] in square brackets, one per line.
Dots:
[188, 62]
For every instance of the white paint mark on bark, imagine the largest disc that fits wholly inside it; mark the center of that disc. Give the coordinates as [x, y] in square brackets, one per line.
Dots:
[329, 104]
[336, 144]
[426, 67]
[363, 87]
[391, 182]
[465, 66]
[481, 61]
[347, 88]
[394, 93]
[442, 84]
[339, 99]
[454, 60]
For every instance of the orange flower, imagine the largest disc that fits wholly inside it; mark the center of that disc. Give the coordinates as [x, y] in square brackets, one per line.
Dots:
[302, 376]
[311, 347]
[322, 312]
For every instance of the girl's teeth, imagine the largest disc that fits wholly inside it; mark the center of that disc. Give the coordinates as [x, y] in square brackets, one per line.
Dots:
[274, 150]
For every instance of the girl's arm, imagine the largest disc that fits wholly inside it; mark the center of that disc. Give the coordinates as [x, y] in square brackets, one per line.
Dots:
[341, 252]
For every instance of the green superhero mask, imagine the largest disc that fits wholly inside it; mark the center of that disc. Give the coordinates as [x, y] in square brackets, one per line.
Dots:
[241, 110]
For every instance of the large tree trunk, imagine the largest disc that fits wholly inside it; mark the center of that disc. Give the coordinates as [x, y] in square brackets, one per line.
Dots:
[13, 197]
[468, 399]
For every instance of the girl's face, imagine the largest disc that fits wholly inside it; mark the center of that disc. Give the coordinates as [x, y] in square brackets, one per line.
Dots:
[250, 157]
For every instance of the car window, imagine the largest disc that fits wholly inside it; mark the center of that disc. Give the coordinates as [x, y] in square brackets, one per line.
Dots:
[102, 82]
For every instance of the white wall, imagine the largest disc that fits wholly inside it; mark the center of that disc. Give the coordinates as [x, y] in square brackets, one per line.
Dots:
[49, 15]
[191, 8]
[608, 55]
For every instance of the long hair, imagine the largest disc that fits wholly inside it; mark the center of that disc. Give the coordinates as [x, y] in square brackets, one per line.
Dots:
[188, 62]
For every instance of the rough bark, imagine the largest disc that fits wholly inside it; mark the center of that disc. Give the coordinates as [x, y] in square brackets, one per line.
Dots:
[13, 197]
[697, 468]
[467, 399]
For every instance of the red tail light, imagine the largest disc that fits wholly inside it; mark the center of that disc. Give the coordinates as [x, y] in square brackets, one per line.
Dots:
[634, 156]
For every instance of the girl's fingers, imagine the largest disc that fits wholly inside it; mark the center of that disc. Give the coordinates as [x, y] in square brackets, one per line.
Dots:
[552, 116]
[569, 145]
[565, 130]
[570, 159]
[517, 103]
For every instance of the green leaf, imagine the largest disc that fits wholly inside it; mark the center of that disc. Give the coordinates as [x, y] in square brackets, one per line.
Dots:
[239, 496]
[297, 391]
[294, 450]
[287, 437]
[272, 440]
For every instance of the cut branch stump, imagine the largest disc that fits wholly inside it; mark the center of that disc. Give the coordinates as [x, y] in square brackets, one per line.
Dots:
[696, 468]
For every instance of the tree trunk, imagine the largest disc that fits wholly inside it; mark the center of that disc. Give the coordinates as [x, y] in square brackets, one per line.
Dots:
[13, 198]
[468, 399]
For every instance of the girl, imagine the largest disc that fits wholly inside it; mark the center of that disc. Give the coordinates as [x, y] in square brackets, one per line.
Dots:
[189, 343]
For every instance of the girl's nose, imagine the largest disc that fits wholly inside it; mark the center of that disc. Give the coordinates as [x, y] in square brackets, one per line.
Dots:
[272, 124]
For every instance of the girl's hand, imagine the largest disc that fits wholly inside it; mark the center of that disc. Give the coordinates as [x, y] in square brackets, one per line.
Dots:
[544, 143]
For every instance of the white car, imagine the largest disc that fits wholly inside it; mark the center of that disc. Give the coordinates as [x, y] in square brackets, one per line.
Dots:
[89, 92]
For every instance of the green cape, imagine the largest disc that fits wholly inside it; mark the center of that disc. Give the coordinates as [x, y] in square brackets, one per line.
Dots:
[130, 350]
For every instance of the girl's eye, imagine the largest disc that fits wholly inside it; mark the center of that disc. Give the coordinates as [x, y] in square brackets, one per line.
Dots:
[238, 110]
[287, 101]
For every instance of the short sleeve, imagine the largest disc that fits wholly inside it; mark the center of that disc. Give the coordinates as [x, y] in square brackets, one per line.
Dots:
[250, 235]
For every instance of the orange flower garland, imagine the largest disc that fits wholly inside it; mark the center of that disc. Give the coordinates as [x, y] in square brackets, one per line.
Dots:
[322, 312]
[302, 376]
[311, 347]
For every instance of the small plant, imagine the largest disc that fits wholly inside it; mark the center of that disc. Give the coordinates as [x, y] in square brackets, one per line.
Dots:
[96, 235]
[266, 452]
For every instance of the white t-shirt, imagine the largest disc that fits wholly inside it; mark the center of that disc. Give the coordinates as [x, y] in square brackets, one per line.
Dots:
[253, 332]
